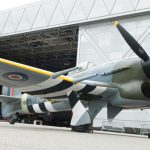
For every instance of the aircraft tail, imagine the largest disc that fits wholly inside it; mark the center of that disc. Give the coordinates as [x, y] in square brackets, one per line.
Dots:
[9, 95]
[8, 91]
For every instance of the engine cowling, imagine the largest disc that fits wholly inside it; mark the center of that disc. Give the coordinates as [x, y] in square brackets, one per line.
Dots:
[137, 90]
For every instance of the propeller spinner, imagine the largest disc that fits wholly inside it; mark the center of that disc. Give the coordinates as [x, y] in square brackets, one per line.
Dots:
[134, 45]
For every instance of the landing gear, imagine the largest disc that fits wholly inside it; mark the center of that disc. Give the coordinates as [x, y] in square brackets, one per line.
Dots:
[83, 114]
[15, 118]
[82, 128]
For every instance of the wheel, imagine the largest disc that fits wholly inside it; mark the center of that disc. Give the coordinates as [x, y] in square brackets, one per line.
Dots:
[15, 118]
[149, 135]
[12, 121]
[83, 128]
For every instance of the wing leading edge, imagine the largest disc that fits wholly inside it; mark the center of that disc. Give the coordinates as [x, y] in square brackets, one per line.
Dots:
[19, 75]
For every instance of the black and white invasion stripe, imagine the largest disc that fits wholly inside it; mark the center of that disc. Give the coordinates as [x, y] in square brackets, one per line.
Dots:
[60, 90]
[49, 107]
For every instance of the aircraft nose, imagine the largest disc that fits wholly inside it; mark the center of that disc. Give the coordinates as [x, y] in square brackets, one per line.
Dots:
[146, 68]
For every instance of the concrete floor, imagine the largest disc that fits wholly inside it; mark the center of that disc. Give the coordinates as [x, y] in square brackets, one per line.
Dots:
[31, 137]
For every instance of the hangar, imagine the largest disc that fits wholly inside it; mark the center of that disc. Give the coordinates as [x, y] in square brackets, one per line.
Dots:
[48, 49]
[44, 34]
[47, 34]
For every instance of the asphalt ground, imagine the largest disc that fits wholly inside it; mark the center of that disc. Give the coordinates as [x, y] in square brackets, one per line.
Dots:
[36, 137]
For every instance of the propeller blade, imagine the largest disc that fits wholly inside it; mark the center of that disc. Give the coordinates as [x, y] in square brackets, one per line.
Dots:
[134, 45]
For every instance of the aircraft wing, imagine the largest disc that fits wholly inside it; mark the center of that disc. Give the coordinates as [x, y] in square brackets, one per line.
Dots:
[36, 81]
[9, 99]
[17, 75]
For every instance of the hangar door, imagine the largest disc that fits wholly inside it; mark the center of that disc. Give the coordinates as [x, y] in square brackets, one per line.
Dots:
[101, 42]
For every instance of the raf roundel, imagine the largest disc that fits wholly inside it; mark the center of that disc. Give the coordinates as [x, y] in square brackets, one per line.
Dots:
[16, 76]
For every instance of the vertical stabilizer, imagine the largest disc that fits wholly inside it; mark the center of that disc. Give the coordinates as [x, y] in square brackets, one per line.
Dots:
[8, 91]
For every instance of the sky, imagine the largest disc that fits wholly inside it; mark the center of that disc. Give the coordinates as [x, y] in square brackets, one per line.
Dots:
[6, 4]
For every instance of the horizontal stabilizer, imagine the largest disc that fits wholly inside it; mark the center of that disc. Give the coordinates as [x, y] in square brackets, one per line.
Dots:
[9, 99]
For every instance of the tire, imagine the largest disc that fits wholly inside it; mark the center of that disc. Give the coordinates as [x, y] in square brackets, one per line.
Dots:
[12, 121]
[83, 128]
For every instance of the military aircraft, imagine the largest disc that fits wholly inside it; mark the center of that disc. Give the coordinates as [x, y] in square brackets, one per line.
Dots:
[122, 84]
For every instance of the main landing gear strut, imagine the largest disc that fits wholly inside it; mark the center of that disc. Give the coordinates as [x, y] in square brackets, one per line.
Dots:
[82, 118]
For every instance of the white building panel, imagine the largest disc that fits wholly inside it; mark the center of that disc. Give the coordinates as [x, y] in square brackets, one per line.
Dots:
[24, 24]
[31, 13]
[122, 6]
[3, 19]
[9, 26]
[55, 13]
[77, 12]
[109, 5]
[16, 16]
[87, 6]
[134, 3]
[143, 4]
[58, 16]
[101, 42]
[40, 20]
[67, 6]
[98, 9]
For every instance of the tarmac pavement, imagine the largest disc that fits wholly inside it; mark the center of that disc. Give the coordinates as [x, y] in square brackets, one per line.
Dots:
[36, 137]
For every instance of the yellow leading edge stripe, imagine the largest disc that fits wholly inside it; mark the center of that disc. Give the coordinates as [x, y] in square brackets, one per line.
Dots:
[33, 69]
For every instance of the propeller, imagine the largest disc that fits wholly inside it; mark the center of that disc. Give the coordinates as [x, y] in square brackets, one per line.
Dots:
[134, 45]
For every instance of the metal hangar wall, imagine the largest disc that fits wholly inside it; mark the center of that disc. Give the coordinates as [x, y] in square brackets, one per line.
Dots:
[44, 34]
